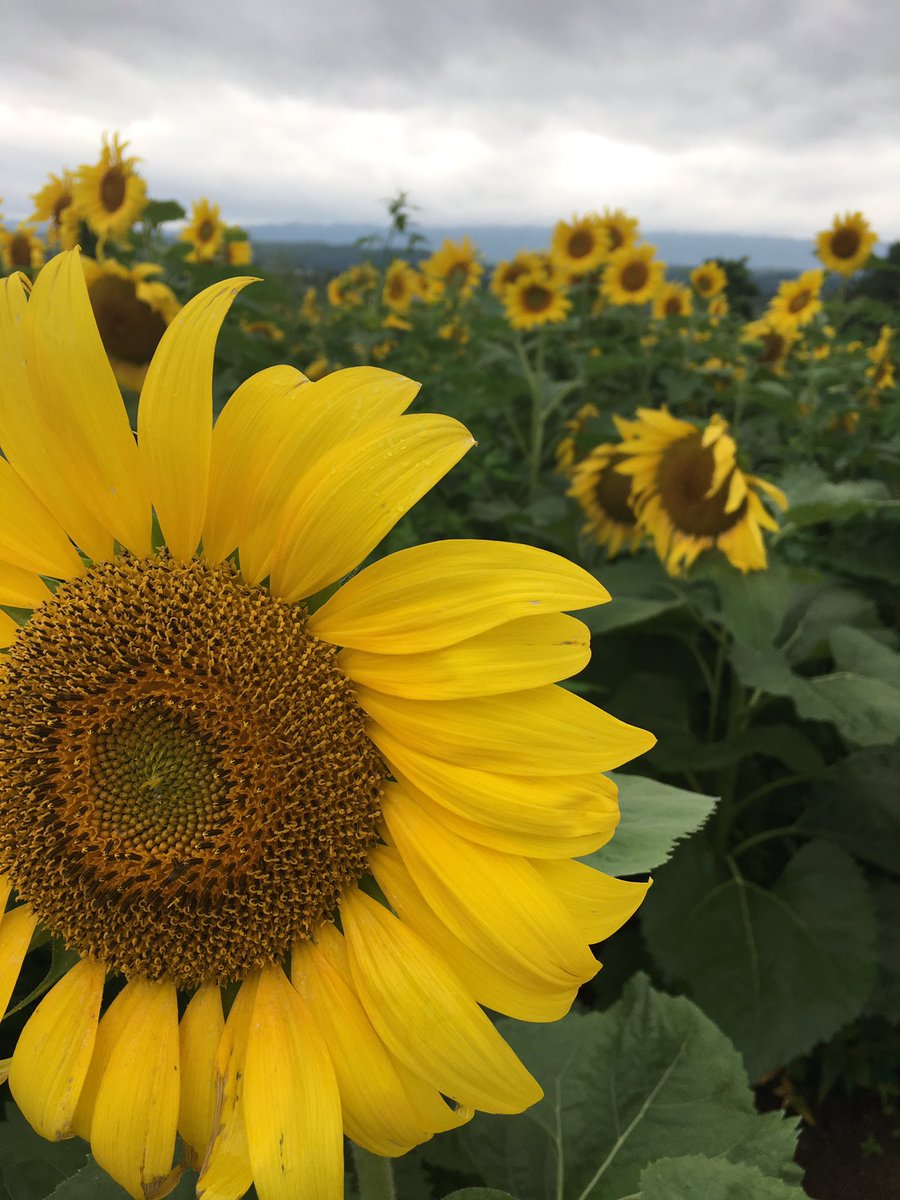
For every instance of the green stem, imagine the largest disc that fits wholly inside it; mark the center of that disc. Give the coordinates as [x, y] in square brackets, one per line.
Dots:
[375, 1175]
[767, 789]
[769, 835]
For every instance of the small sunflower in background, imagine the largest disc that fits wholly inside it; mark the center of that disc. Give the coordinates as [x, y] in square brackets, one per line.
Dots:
[580, 245]
[709, 280]
[604, 495]
[109, 195]
[689, 493]
[401, 286]
[21, 249]
[526, 262]
[672, 300]
[566, 453]
[775, 342]
[342, 293]
[621, 229]
[881, 372]
[718, 307]
[455, 267]
[53, 204]
[847, 245]
[797, 301]
[534, 299]
[238, 252]
[132, 311]
[632, 275]
[204, 232]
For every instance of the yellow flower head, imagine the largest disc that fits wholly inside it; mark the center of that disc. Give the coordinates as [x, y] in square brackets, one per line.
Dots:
[53, 204]
[846, 246]
[689, 493]
[456, 267]
[205, 232]
[621, 229]
[709, 280]
[567, 449]
[881, 372]
[401, 285]
[206, 766]
[775, 341]
[797, 301]
[672, 300]
[604, 496]
[526, 262]
[239, 253]
[533, 299]
[342, 292]
[632, 275]
[110, 195]
[579, 245]
[21, 249]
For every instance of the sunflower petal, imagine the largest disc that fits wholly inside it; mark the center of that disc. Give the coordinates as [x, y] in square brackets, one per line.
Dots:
[424, 1015]
[356, 493]
[441, 593]
[175, 416]
[21, 589]
[8, 630]
[599, 904]
[199, 1034]
[292, 1107]
[16, 929]
[54, 1050]
[30, 537]
[109, 1033]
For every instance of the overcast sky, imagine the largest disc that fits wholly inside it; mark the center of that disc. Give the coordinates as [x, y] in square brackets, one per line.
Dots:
[758, 116]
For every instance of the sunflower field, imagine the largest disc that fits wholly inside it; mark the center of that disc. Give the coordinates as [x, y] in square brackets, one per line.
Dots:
[319, 813]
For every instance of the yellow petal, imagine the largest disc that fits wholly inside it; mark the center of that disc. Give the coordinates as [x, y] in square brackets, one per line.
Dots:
[73, 384]
[521, 654]
[737, 490]
[490, 982]
[300, 430]
[54, 1050]
[425, 1016]
[21, 589]
[496, 903]
[16, 929]
[199, 1036]
[543, 731]
[136, 1111]
[30, 439]
[30, 537]
[292, 1108]
[246, 422]
[599, 904]
[109, 1033]
[175, 416]
[8, 630]
[570, 806]
[440, 593]
[226, 1174]
[356, 493]
[5, 889]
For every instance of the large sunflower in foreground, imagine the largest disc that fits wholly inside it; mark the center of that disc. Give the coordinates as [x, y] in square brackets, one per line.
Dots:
[689, 493]
[632, 275]
[604, 495]
[109, 195]
[206, 769]
[847, 245]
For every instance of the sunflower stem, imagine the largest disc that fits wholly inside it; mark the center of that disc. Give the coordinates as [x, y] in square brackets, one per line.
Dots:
[374, 1174]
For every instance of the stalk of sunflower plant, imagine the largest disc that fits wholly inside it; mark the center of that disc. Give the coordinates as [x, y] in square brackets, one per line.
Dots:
[204, 771]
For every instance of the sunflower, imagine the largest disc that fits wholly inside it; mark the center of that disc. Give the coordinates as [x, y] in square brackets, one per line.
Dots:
[526, 262]
[709, 280]
[239, 252]
[881, 372]
[202, 768]
[400, 286]
[455, 267]
[621, 229]
[566, 453]
[632, 275]
[132, 311]
[604, 495]
[672, 300]
[342, 293]
[689, 493]
[847, 245]
[534, 300]
[309, 308]
[53, 204]
[205, 232]
[110, 195]
[797, 301]
[579, 245]
[21, 249]
[775, 342]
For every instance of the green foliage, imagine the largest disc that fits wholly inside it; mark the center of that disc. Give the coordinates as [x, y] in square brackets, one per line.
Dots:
[696, 1178]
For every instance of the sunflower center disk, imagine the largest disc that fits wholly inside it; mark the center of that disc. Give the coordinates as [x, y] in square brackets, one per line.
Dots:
[684, 477]
[186, 785]
[112, 189]
[845, 243]
[634, 276]
[612, 491]
[129, 328]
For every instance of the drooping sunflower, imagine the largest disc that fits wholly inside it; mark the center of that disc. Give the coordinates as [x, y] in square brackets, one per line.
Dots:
[690, 494]
[672, 300]
[526, 262]
[534, 299]
[53, 204]
[797, 301]
[621, 229]
[847, 245]
[709, 280]
[579, 245]
[401, 285]
[205, 232]
[455, 267]
[110, 195]
[21, 249]
[604, 495]
[632, 275]
[132, 311]
[201, 764]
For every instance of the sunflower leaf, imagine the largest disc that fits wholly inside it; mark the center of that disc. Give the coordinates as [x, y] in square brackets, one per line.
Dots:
[812, 497]
[694, 1177]
[857, 806]
[30, 1167]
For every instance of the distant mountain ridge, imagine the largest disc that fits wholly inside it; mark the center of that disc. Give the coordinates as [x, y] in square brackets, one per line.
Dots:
[502, 241]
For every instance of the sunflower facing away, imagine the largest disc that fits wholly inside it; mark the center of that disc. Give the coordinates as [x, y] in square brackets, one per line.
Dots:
[204, 769]
[579, 245]
[110, 195]
[205, 231]
[604, 495]
[534, 299]
[53, 204]
[632, 275]
[689, 493]
[847, 245]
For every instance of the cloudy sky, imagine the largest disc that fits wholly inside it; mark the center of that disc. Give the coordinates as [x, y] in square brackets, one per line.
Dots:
[757, 116]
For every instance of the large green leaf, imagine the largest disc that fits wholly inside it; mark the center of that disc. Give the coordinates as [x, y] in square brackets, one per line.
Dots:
[778, 969]
[812, 497]
[650, 1077]
[654, 817]
[856, 650]
[696, 1178]
[885, 998]
[479, 1193]
[858, 804]
[30, 1167]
